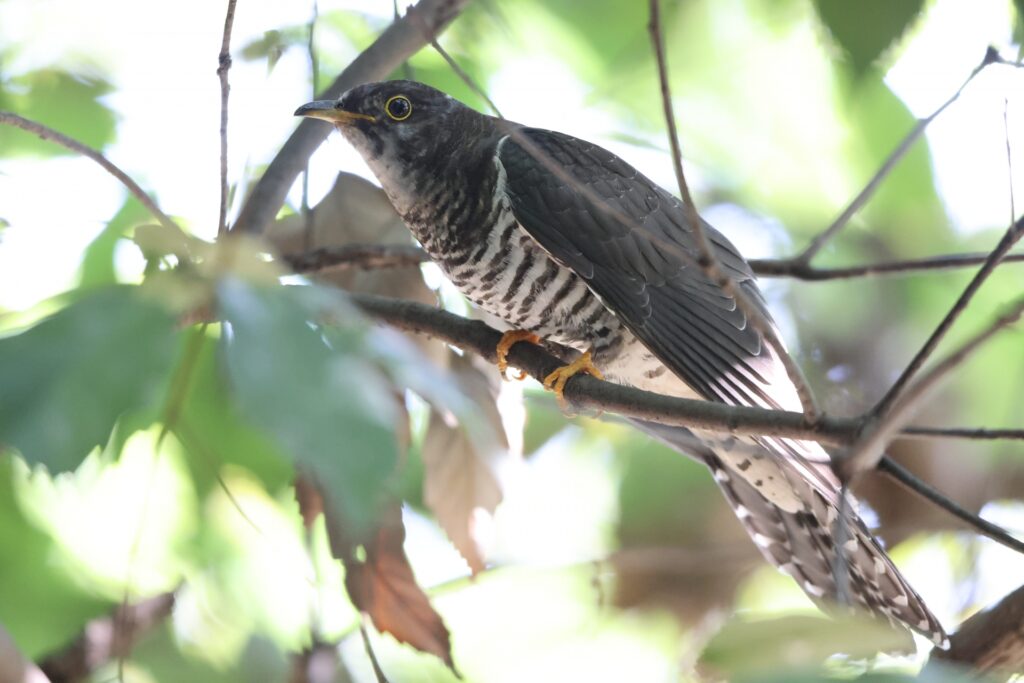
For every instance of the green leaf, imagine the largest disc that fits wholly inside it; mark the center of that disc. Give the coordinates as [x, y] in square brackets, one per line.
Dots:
[865, 29]
[66, 380]
[98, 260]
[329, 409]
[63, 101]
[215, 434]
[796, 642]
[41, 603]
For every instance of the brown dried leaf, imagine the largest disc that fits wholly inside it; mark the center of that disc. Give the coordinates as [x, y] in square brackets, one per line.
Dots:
[311, 504]
[382, 585]
[460, 482]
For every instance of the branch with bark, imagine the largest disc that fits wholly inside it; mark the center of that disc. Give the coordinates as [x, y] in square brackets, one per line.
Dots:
[402, 39]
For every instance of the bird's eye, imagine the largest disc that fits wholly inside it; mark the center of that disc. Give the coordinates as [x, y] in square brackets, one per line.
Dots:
[398, 107]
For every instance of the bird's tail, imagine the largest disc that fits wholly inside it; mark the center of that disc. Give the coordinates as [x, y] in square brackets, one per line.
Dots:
[802, 543]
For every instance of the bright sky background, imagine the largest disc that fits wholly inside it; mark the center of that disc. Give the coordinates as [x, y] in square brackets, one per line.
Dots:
[162, 59]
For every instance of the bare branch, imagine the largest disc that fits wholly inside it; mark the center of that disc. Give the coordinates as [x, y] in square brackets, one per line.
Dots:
[900, 474]
[588, 392]
[991, 57]
[107, 638]
[1012, 235]
[802, 271]
[223, 65]
[708, 261]
[356, 256]
[397, 43]
[460, 72]
[585, 392]
[47, 133]
[377, 671]
[869, 448]
[976, 433]
[992, 640]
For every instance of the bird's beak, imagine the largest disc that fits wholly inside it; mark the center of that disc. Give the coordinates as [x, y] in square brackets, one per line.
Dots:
[327, 111]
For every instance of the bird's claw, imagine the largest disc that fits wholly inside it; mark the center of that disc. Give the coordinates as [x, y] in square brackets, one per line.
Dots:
[507, 340]
[556, 380]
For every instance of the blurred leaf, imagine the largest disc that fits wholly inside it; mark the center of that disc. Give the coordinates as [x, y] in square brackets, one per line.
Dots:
[214, 434]
[66, 102]
[66, 380]
[275, 43]
[328, 408]
[795, 642]
[1018, 27]
[865, 29]
[98, 262]
[41, 604]
[381, 584]
[460, 480]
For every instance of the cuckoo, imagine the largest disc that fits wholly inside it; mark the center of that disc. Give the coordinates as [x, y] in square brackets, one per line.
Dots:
[566, 242]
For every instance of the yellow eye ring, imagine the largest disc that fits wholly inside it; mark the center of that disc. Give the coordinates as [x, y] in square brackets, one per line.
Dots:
[398, 108]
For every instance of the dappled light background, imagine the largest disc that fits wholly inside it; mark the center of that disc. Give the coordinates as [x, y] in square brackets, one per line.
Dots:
[610, 558]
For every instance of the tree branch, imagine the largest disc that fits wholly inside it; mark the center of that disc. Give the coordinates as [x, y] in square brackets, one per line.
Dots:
[992, 640]
[1010, 237]
[816, 244]
[585, 392]
[708, 261]
[865, 454]
[397, 43]
[47, 133]
[801, 271]
[107, 638]
[356, 256]
[223, 64]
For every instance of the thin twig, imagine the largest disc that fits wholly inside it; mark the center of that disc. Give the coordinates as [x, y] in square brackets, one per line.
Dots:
[1010, 237]
[47, 133]
[708, 261]
[356, 256]
[314, 70]
[1009, 157]
[377, 671]
[904, 477]
[397, 43]
[801, 271]
[373, 256]
[975, 433]
[816, 244]
[223, 65]
[868, 450]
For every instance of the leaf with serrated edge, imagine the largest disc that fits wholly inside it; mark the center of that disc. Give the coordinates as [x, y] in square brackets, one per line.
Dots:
[66, 380]
[383, 585]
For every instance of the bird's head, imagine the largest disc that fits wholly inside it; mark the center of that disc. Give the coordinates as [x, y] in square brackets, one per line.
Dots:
[394, 123]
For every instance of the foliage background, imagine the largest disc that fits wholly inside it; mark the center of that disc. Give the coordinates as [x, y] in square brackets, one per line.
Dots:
[609, 557]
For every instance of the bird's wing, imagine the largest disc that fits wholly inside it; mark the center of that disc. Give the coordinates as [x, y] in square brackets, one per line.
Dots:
[645, 270]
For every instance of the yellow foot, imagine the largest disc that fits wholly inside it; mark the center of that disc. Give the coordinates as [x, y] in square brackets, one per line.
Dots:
[556, 380]
[507, 340]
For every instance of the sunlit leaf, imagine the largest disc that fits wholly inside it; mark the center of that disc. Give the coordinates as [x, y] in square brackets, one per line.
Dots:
[98, 260]
[41, 604]
[796, 642]
[865, 29]
[328, 408]
[66, 102]
[66, 380]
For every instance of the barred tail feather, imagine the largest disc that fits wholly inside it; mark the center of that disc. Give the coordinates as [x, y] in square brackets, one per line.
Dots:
[801, 544]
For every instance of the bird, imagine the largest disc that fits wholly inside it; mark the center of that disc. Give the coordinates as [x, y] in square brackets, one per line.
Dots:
[565, 242]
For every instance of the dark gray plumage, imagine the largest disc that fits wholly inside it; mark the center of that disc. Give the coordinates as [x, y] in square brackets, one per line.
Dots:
[534, 249]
